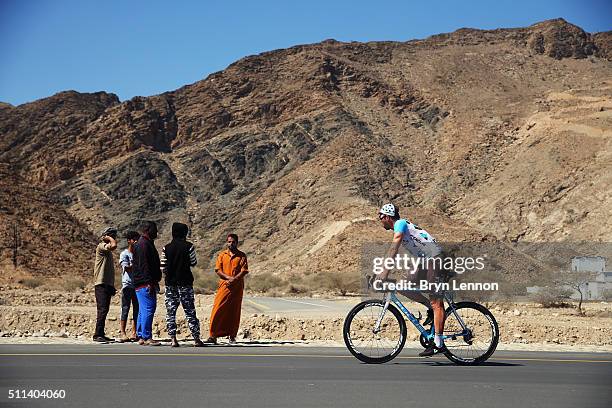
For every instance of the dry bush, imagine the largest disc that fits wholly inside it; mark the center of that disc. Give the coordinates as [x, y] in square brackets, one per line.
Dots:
[275, 292]
[264, 283]
[31, 282]
[342, 283]
[553, 297]
[510, 290]
[205, 283]
[298, 289]
[298, 285]
[73, 284]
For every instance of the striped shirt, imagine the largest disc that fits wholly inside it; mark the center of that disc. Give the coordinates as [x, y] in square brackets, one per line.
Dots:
[177, 259]
[193, 260]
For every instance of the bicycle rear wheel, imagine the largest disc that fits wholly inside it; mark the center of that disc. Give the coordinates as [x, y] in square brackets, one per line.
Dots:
[367, 344]
[474, 343]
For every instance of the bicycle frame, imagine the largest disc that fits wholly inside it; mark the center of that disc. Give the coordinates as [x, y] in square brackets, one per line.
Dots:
[428, 334]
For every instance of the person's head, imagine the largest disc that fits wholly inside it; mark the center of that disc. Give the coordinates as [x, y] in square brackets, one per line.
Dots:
[387, 215]
[149, 229]
[109, 232]
[232, 242]
[132, 237]
[179, 230]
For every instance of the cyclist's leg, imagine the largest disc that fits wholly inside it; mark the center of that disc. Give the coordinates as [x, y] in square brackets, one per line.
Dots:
[438, 309]
[437, 304]
[416, 295]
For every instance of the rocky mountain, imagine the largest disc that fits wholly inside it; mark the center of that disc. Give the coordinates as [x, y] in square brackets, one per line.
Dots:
[501, 134]
[51, 243]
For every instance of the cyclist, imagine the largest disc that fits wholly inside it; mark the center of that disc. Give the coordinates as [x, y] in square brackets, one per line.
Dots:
[420, 244]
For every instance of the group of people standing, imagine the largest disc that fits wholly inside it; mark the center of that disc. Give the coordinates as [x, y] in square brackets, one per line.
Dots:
[142, 270]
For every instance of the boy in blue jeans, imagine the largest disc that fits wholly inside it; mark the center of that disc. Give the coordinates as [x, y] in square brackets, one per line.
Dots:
[146, 276]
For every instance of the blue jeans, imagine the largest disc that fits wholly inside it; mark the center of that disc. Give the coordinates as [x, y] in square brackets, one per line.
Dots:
[147, 303]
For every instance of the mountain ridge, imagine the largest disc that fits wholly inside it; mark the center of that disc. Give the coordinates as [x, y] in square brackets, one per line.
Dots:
[290, 146]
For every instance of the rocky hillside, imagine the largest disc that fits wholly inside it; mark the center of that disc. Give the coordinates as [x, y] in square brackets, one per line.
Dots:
[503, 133]
[51, 242]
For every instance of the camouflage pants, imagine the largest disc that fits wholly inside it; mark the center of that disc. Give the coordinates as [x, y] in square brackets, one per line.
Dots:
[181, 295]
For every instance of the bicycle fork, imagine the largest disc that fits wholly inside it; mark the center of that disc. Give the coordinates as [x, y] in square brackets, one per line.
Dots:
[390, 297]
[382, 315]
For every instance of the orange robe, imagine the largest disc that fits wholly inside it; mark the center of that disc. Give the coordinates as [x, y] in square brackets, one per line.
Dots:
[225, 315]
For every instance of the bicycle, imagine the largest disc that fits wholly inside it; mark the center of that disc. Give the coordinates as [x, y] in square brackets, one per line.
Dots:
[471, 333]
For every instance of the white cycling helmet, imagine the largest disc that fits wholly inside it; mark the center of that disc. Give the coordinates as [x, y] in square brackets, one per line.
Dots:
[388, 209]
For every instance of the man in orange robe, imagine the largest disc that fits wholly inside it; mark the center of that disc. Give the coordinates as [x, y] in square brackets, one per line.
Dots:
[231, 267]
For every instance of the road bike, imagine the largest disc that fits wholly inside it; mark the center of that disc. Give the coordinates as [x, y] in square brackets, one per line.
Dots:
[375, 330]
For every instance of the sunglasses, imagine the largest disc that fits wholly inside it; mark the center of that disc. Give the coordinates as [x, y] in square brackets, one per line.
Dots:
[381, 216]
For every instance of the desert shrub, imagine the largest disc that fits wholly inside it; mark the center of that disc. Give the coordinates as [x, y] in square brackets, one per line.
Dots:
[552, 297]
[205, 283]
[298, 289]
[264, 282]
[73, 284]
[31, 282]
[510, 291]
[342, 283]
[298, 285]
[275, 292]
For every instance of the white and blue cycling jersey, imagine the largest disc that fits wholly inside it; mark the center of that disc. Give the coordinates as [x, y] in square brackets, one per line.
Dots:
[416, 240]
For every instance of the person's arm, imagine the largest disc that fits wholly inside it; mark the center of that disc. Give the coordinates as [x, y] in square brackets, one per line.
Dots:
[156, 266]
[124, 261]
[149, 265]
[244, 269]
[163, 261]
[111, 244]
[219, 269]
[392, 252]
[193, 260]
[223, 276]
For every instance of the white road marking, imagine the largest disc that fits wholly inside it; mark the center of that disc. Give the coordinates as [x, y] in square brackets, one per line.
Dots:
[304, 303]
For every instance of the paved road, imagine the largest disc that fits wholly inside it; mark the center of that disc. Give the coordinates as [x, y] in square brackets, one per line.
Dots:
[299, 307]
[289, 376]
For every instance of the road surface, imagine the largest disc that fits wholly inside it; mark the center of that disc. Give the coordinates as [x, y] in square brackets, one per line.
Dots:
[258, 375]
[299, 307]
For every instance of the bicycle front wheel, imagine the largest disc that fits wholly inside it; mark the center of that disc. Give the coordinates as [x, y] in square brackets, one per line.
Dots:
[365, 341]
[471, 333]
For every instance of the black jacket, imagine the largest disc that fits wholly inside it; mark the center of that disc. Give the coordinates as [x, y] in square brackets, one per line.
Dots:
[177, 259]
[146, 264]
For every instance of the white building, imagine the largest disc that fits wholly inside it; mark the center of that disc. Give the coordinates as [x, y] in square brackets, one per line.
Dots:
[595, 289]
[598, 288]
[588, 264]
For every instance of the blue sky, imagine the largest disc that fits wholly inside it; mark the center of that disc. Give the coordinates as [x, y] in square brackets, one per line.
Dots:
[135, 47]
